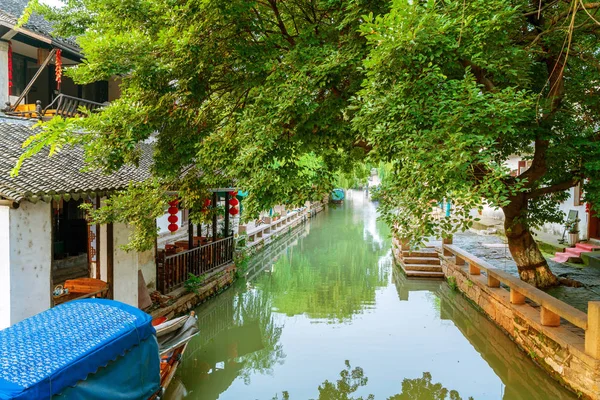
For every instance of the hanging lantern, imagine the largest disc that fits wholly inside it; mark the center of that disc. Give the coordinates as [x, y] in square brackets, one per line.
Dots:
[10, 68]
[233, 211]
[206, 203]
[58, 68]
[173, 210]
[233, 193]
[233, 202]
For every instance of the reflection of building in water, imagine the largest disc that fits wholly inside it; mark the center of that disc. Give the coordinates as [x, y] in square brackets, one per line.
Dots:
[237, 331]
[212, 369]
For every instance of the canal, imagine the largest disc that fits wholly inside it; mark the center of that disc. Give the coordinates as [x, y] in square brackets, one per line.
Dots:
[324, 314]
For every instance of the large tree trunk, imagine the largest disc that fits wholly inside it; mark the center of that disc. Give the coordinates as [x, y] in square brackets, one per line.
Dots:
[532, 265]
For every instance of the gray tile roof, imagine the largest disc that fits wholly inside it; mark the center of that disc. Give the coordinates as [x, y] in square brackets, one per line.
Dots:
[11, 11]
[42, 177]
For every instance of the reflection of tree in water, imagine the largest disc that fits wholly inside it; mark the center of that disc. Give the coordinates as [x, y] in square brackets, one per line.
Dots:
[352, 379]
[255, 306]
[424, 389]
[334, 281]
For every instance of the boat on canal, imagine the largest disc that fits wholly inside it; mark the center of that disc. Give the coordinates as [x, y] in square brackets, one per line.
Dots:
[337, 196]
[92, 349]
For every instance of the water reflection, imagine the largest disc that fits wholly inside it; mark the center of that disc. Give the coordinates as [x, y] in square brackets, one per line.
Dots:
[352, 379]
[329, 293]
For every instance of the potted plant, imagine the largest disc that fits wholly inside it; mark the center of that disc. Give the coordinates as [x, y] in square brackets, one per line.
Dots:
[573, 228]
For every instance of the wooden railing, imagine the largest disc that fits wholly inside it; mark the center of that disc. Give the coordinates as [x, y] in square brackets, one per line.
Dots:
[174, 270]
[551, 308]
[68, 106]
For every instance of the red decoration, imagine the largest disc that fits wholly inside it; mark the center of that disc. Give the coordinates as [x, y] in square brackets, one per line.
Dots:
[233, 193]
[233, 211]
[206, 202]
[10, 68]
[58, 68]
[173, 210]
[233, 202]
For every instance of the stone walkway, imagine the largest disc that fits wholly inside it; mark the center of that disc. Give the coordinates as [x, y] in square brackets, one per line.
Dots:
[494, 250]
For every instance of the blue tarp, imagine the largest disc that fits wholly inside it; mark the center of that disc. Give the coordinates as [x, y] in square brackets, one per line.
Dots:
[45, 354]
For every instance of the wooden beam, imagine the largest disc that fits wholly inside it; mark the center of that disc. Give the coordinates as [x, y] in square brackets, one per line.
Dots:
[110, 259]
[98, 267]
[214, 217]
[226, 227]
[32, 81]
[190, 233]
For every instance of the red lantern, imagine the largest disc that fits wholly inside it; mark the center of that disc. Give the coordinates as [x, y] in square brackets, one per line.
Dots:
[233, 202]
[233, 211]
[173, 219]
[173, 210]
[174, 202]
[206, 202]
[173, 227]
[233, 193]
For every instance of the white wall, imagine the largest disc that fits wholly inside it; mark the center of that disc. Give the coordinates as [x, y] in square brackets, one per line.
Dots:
[3, 73]
[125, 268]
[4, 267]
[26, 252]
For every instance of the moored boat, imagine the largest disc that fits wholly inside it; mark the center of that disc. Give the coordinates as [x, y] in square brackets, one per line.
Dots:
[337, 196]
[90, 349]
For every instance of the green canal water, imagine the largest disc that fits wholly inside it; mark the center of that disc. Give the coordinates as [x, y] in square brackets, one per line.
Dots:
[324, 314]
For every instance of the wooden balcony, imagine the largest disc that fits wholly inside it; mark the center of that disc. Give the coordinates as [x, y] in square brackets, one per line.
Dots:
[173, 270]
[63, 105]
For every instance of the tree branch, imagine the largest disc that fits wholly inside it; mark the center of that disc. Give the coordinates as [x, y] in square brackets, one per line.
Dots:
[538, 166]
[280, 24]
[480, 75]
[558, 187]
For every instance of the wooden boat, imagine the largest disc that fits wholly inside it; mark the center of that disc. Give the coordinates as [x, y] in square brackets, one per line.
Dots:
[337, 196]
[173, 337]
[94, 349]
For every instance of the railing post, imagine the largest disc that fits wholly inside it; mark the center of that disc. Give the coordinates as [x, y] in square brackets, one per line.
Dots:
[548, 318]
[592, 333]
[446, 240]
[459, 261]
[473, 269]
[516, 297]
[492, 282]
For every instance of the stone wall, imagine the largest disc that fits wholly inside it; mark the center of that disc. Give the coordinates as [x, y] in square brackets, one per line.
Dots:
[559, 350]
[185, 301]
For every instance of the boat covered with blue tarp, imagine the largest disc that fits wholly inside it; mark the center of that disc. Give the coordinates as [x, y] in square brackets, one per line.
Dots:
[84, 349]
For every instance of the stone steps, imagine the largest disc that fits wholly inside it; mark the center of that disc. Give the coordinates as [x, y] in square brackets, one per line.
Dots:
[419, 253]
[424, 274]
[421, 267]
[421, 260]
[422, 263]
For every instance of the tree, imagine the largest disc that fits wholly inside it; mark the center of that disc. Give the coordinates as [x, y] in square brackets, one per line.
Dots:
[278, 96]
[454, 88]
[254, 94]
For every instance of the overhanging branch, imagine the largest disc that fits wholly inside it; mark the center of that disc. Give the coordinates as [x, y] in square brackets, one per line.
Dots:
[558, 187]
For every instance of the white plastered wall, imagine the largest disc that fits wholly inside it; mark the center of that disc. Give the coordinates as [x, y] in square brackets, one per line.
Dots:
[3, 73]
[125, 268]
[4, 267]
[25, 261]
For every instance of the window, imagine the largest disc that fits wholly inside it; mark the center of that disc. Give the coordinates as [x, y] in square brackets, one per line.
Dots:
[19, 78]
